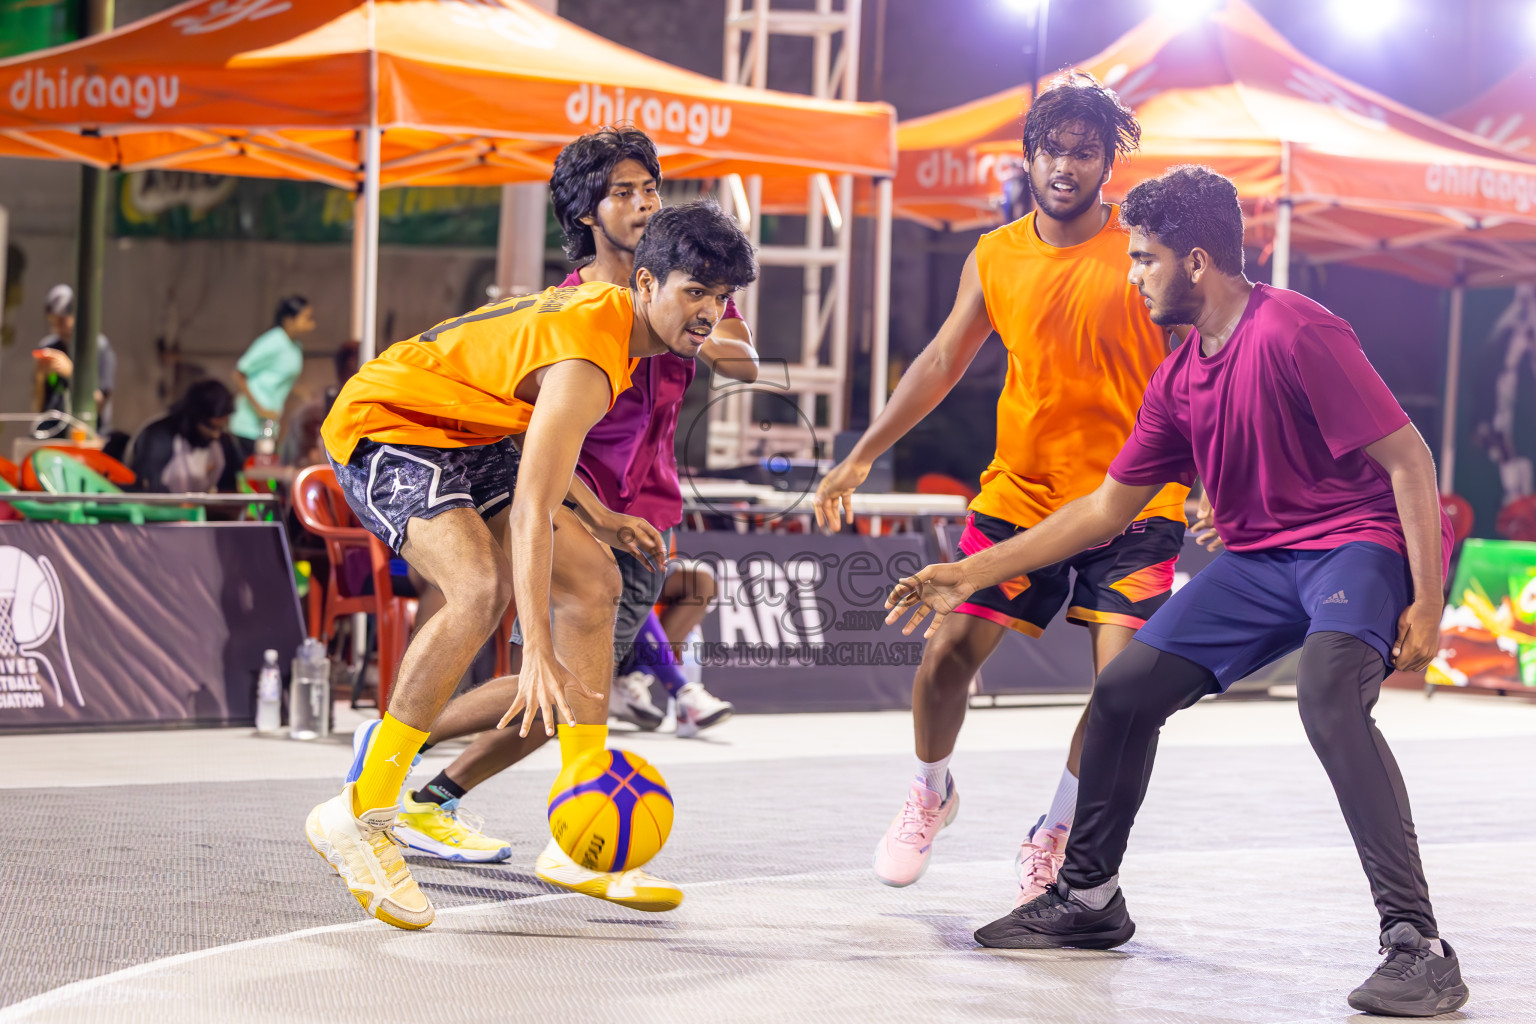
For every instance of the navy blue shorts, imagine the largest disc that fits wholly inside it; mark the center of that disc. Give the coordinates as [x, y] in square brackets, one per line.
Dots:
[1247, 609]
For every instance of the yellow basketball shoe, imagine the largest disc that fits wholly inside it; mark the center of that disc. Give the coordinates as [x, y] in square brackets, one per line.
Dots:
[446, 831]
[633, 888]
[366, 854]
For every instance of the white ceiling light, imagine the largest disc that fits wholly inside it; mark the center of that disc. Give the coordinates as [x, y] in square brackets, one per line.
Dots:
[1186, 12]
[1367, 17]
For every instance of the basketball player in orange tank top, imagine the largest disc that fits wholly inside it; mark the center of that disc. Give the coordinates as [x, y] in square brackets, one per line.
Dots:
[1081, 348]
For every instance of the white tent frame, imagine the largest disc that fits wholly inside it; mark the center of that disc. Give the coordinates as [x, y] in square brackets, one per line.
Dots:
[825, 313]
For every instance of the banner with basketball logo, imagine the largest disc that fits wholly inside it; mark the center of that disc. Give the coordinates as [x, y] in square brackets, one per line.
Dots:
[798, 620]
[116, 624]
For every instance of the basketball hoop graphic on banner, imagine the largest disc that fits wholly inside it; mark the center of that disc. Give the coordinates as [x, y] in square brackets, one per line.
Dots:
[32, 632]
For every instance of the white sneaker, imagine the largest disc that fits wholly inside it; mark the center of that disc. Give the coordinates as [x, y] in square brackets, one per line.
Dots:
[632, 700]
[633, 888]
[698, 709]
[366, 854]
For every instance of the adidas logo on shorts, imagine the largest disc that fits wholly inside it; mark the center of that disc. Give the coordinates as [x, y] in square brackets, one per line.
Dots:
[1338, 598]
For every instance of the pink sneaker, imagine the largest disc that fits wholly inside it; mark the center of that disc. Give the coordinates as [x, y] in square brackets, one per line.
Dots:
[1039, 860]
[902, 856]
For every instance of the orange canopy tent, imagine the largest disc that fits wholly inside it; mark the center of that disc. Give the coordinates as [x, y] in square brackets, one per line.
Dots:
[1338, 171]
[371, 93]
[1505, 116]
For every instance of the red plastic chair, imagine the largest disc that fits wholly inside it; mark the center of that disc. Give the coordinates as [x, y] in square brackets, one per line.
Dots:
[1459, 511]
[1517, 520]
[11, 474]
[93, 458]
[322, 508]
[943, 483]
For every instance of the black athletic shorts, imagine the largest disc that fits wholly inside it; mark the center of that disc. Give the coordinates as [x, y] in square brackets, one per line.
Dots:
[388, 485]
[1121, 582]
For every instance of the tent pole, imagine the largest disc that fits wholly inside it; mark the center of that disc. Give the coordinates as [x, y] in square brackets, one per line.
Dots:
[1280, 259]
[365, 265]
[1452, 387]
[369, 269]
[520, 233]
[880, 345]
[359, 258]
[96, 16]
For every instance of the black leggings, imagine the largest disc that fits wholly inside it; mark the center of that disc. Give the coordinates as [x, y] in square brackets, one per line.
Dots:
[1338, 684]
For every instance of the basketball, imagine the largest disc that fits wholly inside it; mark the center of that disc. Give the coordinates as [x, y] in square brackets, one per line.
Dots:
[610, 811]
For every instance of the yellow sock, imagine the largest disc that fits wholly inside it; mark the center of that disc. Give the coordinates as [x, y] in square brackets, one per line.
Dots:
[580, 740]
[387, 765]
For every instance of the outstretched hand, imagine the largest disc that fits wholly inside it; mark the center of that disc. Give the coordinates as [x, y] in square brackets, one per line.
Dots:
[834, 495]
[939, 588]
[541, 688]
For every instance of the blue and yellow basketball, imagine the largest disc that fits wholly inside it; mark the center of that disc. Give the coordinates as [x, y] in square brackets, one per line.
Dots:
[610, 811]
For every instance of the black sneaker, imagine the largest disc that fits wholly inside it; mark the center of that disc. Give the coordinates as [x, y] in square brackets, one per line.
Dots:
[1051, 920]
[1413, 981]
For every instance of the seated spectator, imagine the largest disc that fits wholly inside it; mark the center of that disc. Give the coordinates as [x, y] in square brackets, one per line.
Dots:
[189, 450]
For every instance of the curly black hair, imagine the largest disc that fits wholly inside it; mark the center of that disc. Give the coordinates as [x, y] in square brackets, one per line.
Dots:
[699, 239]
[1190, 207]
[580, 180]
[1077, 96]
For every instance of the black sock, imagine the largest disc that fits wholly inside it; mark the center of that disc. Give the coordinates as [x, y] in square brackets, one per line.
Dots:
[439, 791]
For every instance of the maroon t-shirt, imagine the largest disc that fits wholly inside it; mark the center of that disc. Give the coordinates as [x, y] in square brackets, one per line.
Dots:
[629, 458]
[1275, 425]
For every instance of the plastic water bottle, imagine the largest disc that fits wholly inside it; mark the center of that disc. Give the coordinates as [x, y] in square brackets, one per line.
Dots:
[309, 695]
[268, 438]
[269, 695]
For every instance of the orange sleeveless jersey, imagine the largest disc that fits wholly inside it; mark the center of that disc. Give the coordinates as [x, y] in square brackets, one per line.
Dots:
[1081, 348]
[452, 386]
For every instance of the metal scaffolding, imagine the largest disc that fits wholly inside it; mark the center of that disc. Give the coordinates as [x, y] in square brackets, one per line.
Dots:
[817, 380]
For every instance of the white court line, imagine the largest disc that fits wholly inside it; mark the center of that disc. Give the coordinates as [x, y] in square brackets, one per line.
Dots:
[46, 1000]
[23, 1010]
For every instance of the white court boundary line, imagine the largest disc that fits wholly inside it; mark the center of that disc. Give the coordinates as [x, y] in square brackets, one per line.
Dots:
[65, 993]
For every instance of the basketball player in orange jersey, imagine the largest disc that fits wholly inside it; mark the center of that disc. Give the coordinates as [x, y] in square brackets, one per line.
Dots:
[1081, 348]
[421, 442]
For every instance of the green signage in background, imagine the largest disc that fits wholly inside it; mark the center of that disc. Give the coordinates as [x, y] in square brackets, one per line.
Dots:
[181, 205]
[27, 25]
[1488, 635]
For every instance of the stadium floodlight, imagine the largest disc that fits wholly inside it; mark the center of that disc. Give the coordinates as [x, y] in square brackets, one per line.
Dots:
[1366, 17]
[1186, 12]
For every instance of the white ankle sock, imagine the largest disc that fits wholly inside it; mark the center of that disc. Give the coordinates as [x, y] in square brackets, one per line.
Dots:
[1063, 804]
[935, 775]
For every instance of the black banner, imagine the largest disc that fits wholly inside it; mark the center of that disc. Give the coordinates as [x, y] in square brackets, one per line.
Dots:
[116, 624]
[797, 625]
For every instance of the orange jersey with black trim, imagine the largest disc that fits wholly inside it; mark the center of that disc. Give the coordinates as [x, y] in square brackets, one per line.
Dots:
[1081, 349]
[453, 386]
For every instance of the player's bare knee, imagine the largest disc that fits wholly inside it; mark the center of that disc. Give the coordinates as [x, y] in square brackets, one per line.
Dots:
[949, 662]
[479, 596]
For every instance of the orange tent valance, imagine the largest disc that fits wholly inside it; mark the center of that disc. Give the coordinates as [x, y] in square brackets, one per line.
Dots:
[1369, 180]
[466, 92]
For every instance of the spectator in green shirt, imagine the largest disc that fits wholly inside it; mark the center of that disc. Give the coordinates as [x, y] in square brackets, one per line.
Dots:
[265, 374]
